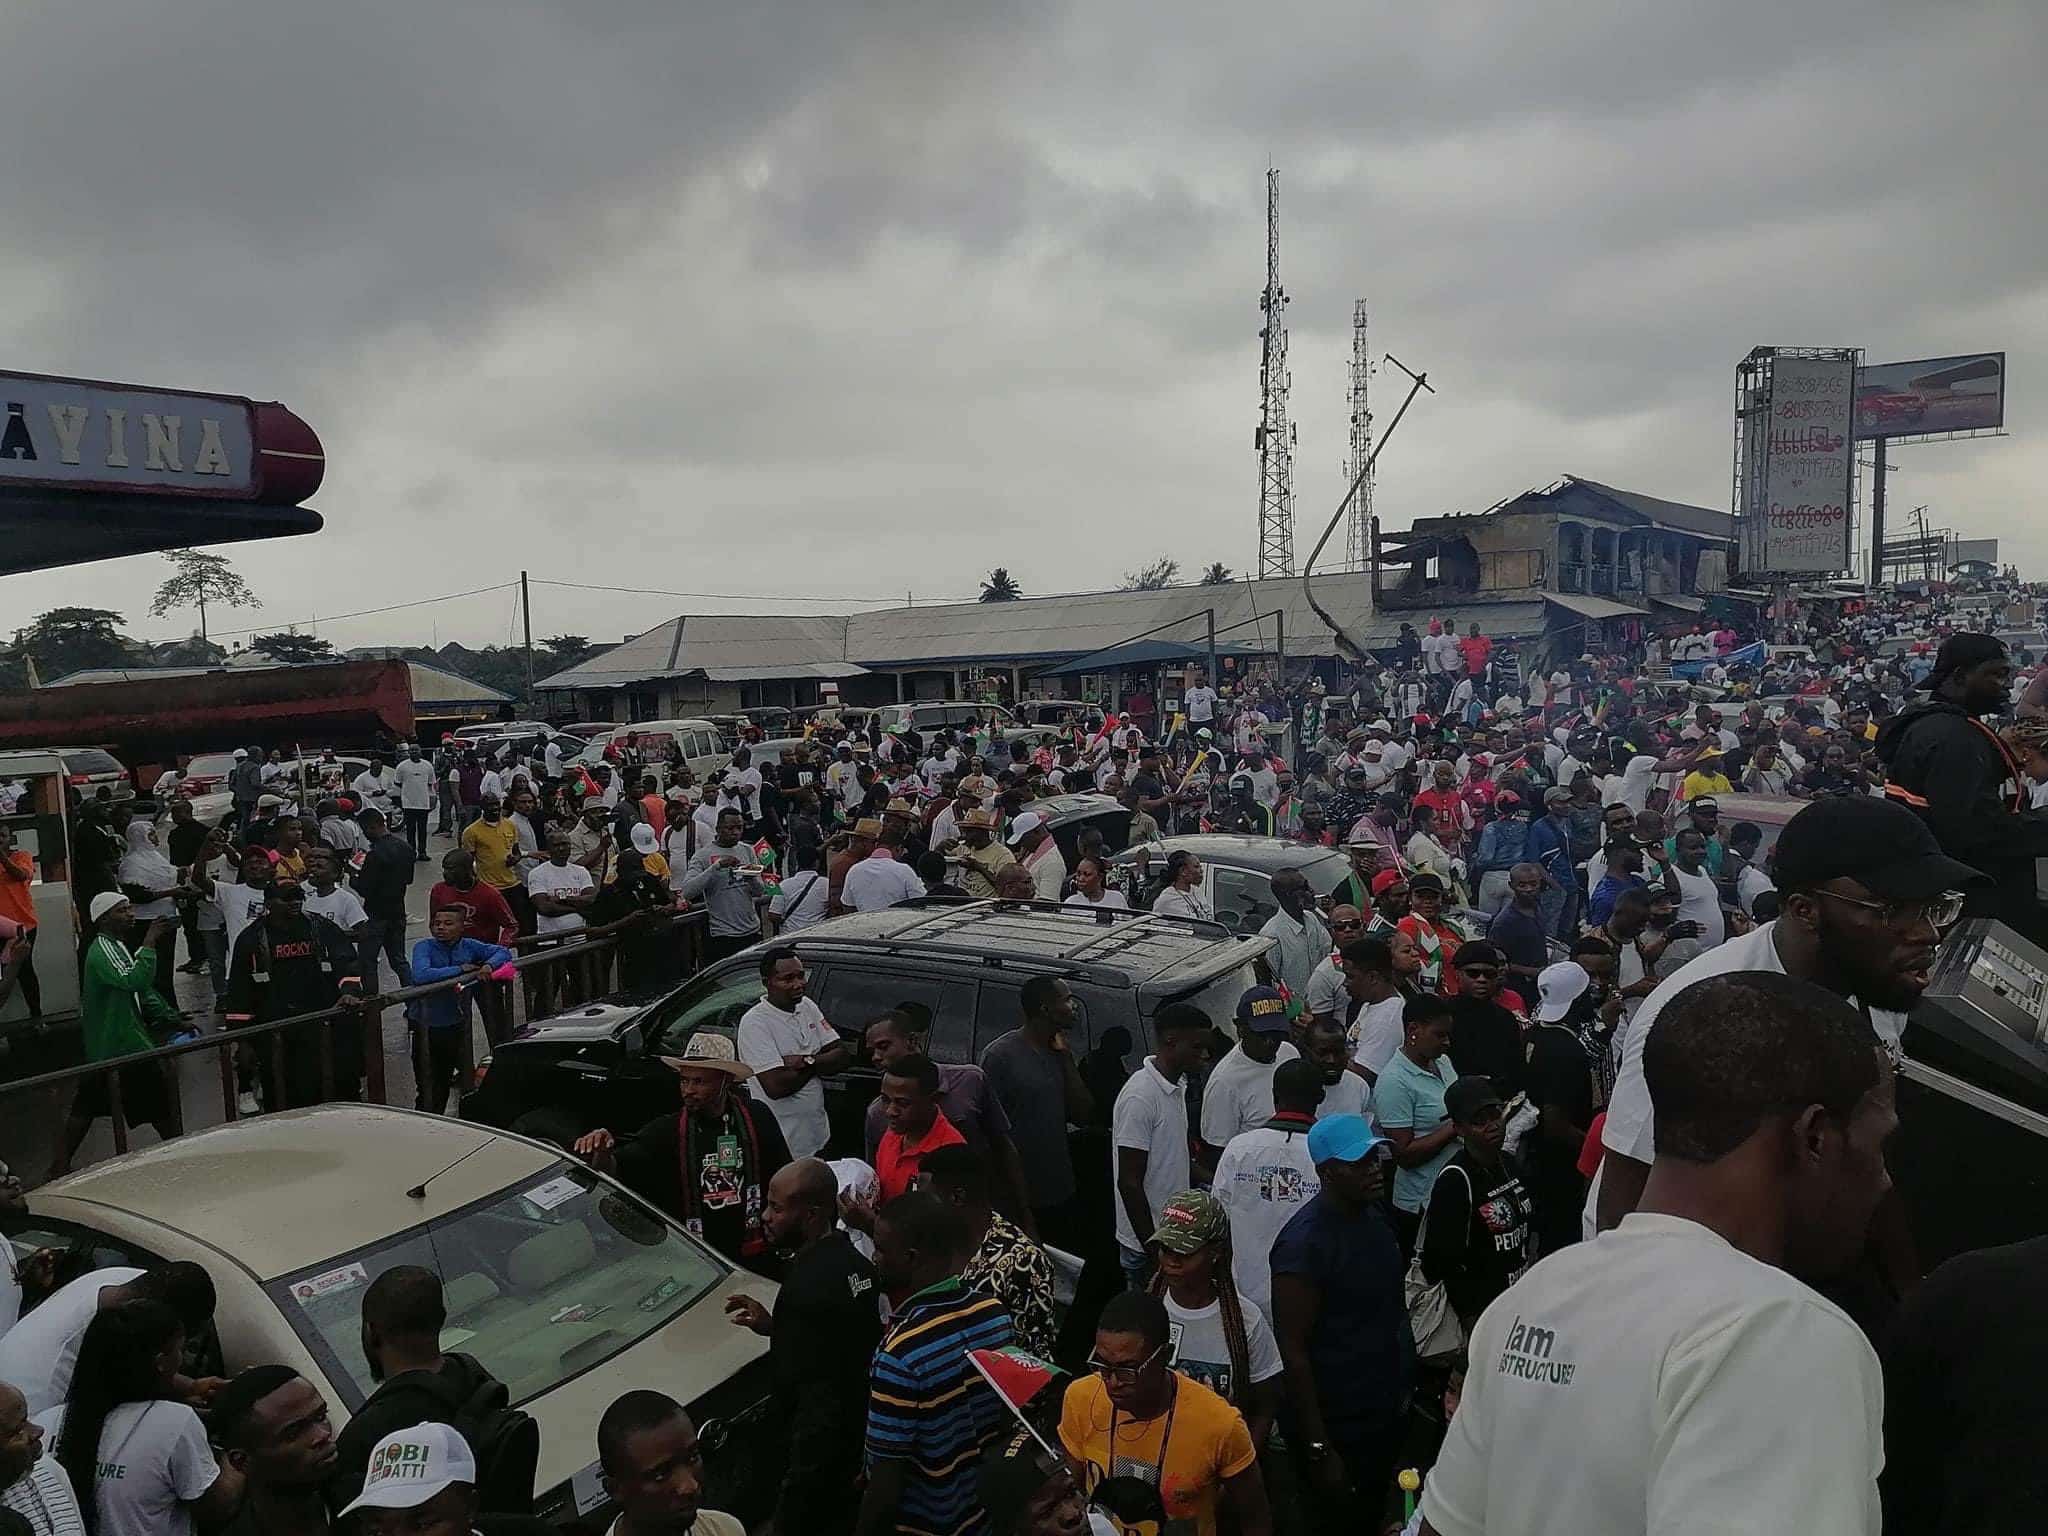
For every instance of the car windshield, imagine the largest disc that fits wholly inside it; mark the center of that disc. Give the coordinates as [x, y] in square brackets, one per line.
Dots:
[544, 1281]
[90, 760]
[1218, 997]
[1326, 871]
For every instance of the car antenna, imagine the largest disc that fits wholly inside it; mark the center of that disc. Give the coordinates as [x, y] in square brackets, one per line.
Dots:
[419, 1190]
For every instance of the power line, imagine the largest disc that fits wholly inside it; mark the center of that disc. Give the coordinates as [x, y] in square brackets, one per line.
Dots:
[735, 597]
[329, 618]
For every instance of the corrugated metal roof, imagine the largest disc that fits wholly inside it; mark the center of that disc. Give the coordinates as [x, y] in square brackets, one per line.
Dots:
[1587, 606]
[817, 669]
[725, 647]
[731, 648]
[430, 684]
[1672, 514]
[1057, 628]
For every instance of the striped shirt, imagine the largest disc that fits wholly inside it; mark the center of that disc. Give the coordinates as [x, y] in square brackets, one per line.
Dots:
[42, 1496]
[929, 1407]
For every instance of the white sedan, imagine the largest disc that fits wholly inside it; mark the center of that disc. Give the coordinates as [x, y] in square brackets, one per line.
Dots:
[567, 1288]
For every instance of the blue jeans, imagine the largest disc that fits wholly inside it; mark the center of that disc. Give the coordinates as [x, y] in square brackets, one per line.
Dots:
[1137, 1267]
[215, 943]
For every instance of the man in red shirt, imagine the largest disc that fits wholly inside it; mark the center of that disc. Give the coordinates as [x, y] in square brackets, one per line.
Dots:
[1478, 651]
[485, 916]
[917, 1126]
[18, 906]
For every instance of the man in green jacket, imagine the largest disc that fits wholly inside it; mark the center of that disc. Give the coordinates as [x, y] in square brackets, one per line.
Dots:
[120, 999]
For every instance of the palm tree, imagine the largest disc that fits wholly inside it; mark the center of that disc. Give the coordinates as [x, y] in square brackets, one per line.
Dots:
[1218, 575]
[1001, 587]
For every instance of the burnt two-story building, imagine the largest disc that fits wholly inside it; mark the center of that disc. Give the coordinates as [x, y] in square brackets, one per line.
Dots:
[1597, 562]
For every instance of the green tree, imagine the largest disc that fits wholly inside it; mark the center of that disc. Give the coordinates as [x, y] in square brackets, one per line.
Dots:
[1000, 587]
[67, 640]
[1153, 578]
[289, 647]
[201, 580]
[1218, 575]
[559, 651]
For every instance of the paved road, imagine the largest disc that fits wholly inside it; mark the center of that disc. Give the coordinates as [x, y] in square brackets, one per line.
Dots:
[29, 1124]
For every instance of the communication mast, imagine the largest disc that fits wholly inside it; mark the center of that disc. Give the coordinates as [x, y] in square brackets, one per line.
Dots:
[1358, 528]
[1275, 437]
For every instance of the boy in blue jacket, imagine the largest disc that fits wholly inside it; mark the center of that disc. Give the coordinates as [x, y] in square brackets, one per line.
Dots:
[445, 953]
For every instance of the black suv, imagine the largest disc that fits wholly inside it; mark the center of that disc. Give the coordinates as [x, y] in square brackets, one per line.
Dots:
[599, 1065]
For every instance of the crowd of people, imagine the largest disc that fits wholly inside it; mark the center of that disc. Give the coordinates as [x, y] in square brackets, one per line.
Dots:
[1564, 1038]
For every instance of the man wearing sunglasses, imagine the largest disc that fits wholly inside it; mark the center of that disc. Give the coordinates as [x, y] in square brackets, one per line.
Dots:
[1158, 1449]
[1865, 896]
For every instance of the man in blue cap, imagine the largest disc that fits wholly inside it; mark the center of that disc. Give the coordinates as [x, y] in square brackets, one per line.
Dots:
[1343, 1326]
[1238, 1095]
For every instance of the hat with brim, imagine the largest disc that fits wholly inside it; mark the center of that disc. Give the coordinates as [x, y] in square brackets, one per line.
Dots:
[869, 827]
[1190, 1221]
[410, 1466]
[709, 1053]
[977, 820]
[1881, 845]
[1559, 986]
[1343, 1139]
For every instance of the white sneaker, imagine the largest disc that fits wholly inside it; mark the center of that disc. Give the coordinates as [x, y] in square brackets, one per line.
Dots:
[245, 1103]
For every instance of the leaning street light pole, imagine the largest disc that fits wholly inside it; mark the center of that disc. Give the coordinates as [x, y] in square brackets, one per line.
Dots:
[1417, 383]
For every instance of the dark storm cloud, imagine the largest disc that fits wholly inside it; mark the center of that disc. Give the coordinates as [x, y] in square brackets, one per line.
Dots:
[839, 298]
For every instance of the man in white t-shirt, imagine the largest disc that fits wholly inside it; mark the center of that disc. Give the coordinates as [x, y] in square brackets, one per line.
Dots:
[1149, 1134]
[1742, 1400]
[37, 1354]
[32, 1484]
[1200, 702]
[563, 891]
[1835, 862]
[1265, 1175]
[414, 776]
[787, 1042]
[1238, 1094]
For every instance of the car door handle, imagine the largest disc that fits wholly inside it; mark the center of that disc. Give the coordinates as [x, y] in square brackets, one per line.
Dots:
[586, 1069]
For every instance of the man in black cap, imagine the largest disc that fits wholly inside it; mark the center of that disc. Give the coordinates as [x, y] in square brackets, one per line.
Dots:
[1942, 760]
[1865, 896]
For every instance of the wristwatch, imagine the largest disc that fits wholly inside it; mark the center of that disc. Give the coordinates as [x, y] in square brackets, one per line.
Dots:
[811, 1060]
[1316, 1450]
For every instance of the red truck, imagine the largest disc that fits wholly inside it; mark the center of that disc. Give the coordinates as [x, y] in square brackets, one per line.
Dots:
[151, 721]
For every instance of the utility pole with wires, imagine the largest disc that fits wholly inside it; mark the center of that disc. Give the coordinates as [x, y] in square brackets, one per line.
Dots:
[1358, 530]
[1275, 436]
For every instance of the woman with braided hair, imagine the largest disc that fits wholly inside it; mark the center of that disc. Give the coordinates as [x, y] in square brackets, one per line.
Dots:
[2029, 742]
[1217, 1337]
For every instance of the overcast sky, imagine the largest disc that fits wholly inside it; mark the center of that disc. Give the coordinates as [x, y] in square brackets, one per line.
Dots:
[848, 300]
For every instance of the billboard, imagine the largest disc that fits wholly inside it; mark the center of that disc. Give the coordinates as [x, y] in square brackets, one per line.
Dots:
[1807, 464]
[1934, 394]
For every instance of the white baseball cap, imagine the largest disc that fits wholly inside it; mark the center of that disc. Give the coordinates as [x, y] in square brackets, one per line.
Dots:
[1559, 986]
[409, 1466]
[1025, 825]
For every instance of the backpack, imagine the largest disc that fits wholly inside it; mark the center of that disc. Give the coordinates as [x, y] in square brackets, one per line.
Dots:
[505, 1440]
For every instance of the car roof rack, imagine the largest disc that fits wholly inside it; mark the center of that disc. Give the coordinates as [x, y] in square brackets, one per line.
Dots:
[1092, 956]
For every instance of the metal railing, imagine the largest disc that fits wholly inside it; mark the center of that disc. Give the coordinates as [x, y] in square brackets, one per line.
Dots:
[579, 969]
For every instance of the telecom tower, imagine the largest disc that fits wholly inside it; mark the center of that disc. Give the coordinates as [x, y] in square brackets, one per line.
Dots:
[1358, 531]
[1275, 437]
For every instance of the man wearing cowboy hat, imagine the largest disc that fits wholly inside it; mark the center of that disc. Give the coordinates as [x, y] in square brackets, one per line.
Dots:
[707, 1165]
[885, 876]
[982, 857]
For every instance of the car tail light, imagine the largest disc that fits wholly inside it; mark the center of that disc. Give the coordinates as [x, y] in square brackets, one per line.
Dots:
[78, 780]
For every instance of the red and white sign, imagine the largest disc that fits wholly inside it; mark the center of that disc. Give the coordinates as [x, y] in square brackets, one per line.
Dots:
[81, 435]
[1807, 464]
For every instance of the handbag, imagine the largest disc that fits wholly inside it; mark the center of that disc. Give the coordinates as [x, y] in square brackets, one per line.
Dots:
[1430, 1317]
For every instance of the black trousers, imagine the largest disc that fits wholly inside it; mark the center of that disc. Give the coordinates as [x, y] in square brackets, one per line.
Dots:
[416, 831]
[436, 1061]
